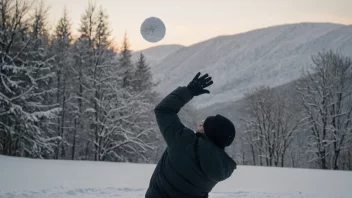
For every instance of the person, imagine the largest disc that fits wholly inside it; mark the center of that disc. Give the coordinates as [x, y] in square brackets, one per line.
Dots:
[193, 163]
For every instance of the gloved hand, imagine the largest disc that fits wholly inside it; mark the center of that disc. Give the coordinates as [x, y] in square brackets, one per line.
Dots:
[197, 85]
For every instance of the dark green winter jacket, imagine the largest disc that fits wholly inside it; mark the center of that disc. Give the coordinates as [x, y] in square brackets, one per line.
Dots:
[191, 164]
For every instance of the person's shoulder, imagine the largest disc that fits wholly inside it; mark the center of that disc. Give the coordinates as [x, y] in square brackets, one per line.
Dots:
[214, 161]
[185, 146]
[188, 136]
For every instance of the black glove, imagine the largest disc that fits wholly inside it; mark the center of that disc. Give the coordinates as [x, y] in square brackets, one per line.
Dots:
[197, 85]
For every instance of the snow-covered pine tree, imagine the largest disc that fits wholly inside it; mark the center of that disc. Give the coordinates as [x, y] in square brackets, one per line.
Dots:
[13, 30]
[125, 64]
[60, 49]
[82, 51]
[26, 73]
[44, 62]
[100, 75]
[117, 137]
[142, 84]
[143, 76]
[124, 135]
[112, 114]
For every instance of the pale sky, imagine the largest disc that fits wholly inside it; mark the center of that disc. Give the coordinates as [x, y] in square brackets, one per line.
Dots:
[190, 21]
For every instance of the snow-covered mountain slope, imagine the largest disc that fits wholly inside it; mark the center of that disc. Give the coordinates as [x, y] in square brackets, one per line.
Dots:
[29, 178]
[155, 55]
[271, 56]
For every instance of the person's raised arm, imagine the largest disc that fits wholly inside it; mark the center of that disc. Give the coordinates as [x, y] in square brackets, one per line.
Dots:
[166, 111]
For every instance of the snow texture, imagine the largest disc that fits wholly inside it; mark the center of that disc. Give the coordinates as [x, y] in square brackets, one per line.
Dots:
[153, 29]
[239, 63]
[22, 177]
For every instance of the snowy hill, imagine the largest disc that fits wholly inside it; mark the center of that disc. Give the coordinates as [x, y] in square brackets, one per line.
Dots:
[21, 177]
[271, 56]
[155, 55]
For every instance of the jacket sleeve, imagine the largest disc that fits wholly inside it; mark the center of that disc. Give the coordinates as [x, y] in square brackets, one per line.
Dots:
[166, 111]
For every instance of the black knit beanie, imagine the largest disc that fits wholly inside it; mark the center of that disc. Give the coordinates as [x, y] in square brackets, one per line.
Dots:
[220, 130]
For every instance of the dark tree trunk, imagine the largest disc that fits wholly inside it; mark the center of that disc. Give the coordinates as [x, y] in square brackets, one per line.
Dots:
[337, 153]
[58, 142]
[253, 155]
[74, 141]
[293, 160]
[87, 150]
[63, 153]
[323, 160]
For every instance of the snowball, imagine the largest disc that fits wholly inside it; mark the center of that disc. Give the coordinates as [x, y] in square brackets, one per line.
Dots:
[153, 29]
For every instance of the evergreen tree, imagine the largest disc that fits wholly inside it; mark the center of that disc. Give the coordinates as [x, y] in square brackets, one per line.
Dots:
[63, 98]
[102, 61]
[26, 72]
[61, 49]
[143, 75]
[125, 63]
[82, 55]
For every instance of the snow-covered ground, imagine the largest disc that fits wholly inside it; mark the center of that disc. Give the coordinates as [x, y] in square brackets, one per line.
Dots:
[20, 177]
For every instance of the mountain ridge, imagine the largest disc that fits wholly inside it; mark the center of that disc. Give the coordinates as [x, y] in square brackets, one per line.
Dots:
[156, 54]
[238, 63]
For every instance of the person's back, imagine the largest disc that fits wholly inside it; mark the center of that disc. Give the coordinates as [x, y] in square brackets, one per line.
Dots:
[193, 163]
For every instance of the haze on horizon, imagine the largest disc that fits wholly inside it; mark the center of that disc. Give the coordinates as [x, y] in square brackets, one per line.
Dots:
[192, 21]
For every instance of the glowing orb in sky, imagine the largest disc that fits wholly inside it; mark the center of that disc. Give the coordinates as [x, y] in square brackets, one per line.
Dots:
[153, 29]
